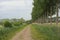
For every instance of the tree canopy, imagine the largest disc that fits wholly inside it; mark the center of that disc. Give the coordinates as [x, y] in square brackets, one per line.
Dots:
[42, 8]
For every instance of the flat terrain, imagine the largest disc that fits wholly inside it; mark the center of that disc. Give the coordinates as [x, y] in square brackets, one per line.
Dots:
[25, 34]
[45, 32]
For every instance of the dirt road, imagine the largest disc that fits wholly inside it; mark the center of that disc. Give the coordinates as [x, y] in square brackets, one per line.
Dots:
[25, 34]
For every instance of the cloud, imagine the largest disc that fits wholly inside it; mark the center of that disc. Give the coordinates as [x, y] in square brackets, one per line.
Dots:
[15, 9]
[11, 5]
[9, 0]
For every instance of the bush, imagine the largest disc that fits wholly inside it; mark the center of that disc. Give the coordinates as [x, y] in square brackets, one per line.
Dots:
[16, 24]
[29, 22]
[7, 24]
[8, 33]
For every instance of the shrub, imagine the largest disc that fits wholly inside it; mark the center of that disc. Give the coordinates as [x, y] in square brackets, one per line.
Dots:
[16, 24]
[7, 24]
[29, 22]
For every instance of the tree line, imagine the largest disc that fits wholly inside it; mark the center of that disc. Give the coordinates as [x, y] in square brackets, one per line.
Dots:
[44, 9]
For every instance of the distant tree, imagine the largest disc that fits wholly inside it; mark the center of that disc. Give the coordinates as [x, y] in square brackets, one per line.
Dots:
[21, 20]
[14, 20]
[29, 21]
[1, 23]
[16, 23]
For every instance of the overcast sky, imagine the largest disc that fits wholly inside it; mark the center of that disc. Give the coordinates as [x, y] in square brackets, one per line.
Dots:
[15, 9]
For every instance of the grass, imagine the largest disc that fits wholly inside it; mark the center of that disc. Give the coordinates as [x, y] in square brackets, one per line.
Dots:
[8, 33]
[45, 32]
[1, 26]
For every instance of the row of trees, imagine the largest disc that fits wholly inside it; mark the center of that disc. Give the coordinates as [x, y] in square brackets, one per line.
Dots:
[44, 9]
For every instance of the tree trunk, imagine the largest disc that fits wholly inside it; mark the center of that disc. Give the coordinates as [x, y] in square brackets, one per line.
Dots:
[57, 15]
[47, 17]
[42, 20]
[51, 15]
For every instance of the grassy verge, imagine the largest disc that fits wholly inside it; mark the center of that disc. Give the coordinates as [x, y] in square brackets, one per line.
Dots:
[8, 33]
[1, 26]
[45, 32]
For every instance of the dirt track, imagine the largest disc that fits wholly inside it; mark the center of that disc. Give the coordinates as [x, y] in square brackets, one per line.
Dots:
[25, 34]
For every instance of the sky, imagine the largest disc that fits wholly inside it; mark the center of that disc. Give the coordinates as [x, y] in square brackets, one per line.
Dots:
[15, 9]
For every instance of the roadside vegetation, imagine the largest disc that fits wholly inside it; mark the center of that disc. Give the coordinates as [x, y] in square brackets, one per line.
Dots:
[45, 32]
[9, 28]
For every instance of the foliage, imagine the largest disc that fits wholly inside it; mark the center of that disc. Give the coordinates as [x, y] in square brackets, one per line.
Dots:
[17, 24]
[21, 20]
[8, 33]
[42, 8]
[28, 21]
[7, 24]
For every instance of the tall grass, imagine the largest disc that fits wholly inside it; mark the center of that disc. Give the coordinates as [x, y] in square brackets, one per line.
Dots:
[45, 32]
[7, 33]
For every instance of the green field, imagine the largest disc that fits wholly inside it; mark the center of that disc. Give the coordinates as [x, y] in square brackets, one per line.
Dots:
[45, 32]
